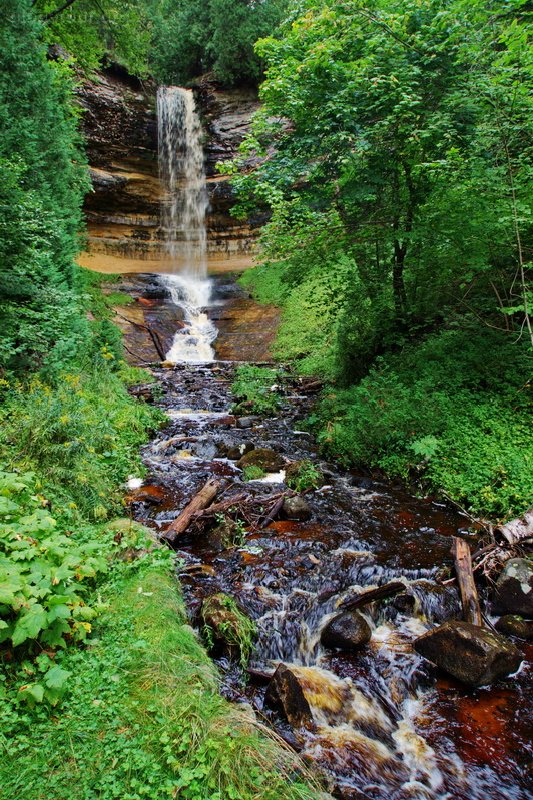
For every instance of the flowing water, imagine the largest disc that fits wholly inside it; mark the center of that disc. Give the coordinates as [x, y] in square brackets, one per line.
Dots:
[385, 724]
[183, 209]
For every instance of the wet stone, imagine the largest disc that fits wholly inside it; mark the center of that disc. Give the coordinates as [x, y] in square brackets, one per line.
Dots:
[296, 508]
[286, 694]
[513, 625]
[247, 422]
[514, 588]
[347, 631]
[474, 655]
[239, 450]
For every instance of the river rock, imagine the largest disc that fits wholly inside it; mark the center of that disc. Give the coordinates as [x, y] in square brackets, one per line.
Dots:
[246, 422]
[237, 451]
[474, 655]
[296, 508]
[264, 458]
[514, 588]
[513, 625]
[228, 627]
[346, 631]
[286, 693]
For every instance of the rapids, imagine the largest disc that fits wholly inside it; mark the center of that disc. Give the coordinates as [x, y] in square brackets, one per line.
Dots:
[385, 723]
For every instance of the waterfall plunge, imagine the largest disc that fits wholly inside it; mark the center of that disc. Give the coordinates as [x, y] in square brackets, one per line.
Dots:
[183, 210]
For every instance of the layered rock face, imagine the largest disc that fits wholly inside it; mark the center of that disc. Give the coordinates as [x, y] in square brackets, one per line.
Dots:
[122, 211]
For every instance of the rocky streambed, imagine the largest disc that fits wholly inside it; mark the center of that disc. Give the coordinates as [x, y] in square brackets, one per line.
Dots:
[276, 580]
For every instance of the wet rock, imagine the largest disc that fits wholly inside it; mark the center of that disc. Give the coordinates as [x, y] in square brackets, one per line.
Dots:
[227, 629]
[239, 450]
[246, 422]
[513, 625]
[286, 694]
[346, 631]
[264, 458]
[296, 508]
[474, 655]
[514, 588]
[224, 536]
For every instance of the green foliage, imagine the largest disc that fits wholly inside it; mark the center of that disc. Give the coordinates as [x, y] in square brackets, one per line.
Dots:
[44, 178]
[91, 31]
[255, 390]
[253, 473]
[43, 578]
[197, 36]
[393, 152]
[304, 475]
[81, 436]
[452, 412]
[143, 717]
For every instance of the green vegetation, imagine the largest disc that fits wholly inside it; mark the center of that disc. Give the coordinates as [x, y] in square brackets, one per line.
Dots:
[142, 717]
[255, 390]
[253, 473]
[393, 151]
[235, 628]
[302, 475]
[197, 36]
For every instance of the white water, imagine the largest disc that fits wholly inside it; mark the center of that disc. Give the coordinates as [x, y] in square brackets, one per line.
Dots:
[183, 210]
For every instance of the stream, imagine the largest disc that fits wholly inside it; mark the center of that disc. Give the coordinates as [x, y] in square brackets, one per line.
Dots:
[385, 723]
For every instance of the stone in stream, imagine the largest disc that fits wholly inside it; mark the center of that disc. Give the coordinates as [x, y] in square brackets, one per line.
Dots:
[246, 422]
[262, 457]
[226, 627]
[474, 655]
[346, 631]
[237, 451]
[286, 693]
[513, 625]
[296, 508]
[514, 587]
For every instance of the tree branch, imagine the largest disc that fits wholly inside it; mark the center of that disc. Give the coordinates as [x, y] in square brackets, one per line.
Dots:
[59, 10]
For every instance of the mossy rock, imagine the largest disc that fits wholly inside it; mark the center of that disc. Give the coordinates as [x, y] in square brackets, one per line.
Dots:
[226, 629]
[264, 458]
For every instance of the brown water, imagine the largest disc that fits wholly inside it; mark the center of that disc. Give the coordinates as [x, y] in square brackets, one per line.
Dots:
[386, 724]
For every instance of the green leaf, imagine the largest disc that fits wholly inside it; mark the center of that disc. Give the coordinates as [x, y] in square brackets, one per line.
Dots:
[56, 678]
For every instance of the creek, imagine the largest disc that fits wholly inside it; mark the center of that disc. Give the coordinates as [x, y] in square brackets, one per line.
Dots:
[382, 722]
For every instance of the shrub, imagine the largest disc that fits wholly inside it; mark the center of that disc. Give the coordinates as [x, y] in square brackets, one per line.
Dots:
[43, 572]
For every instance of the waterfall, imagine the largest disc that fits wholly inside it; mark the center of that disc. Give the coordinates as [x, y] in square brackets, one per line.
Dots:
[183, 209]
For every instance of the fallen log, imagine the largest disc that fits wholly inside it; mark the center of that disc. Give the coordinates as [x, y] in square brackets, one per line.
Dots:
[381, 593]
[224, 505]
[274, 511]
[518, 529]
[200, 501]
[465, 579]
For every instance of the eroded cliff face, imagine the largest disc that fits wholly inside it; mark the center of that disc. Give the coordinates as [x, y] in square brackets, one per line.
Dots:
[122, 211]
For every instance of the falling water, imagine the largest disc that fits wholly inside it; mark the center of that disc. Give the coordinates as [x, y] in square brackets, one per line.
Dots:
[183, 210]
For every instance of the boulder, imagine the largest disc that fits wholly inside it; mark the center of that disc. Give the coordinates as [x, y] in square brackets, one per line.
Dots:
[514, 587]
[513, 625]
[296, 508]
[474, 655]
[262, 457]
[286, 693]
[346, 631]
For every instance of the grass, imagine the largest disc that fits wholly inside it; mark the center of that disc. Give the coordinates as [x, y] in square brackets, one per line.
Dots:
[144, 718]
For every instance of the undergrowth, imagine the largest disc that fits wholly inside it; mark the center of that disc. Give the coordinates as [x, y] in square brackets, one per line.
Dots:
[143, 718]
[255, 390]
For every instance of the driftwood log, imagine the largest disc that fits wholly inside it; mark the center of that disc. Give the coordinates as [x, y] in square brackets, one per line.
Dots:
[465, 579]
[518, 529]
[200, 501]
[381, 593]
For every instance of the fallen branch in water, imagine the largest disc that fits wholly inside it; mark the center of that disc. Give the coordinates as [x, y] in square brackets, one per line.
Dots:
[201, 500]
[518, 529]
[381, 593]
[465, 579]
